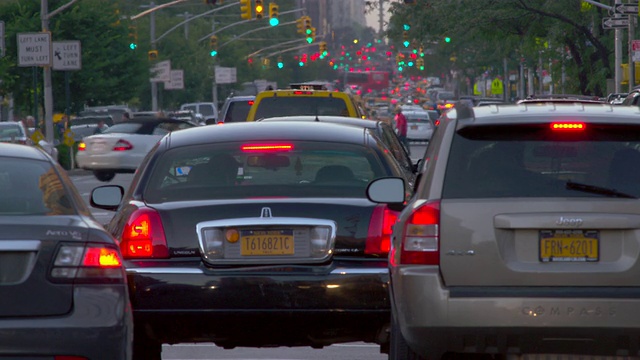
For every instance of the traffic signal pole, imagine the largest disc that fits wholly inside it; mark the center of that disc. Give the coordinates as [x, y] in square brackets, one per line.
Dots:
[274, 46]
[254, 30]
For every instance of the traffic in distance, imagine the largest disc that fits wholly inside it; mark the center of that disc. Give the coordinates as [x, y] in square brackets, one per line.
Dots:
[339, 177]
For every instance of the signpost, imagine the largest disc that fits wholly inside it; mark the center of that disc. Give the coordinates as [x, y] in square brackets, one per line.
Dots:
[177, 80]
[66, 55]
[161, 72]
[225, 75]
[613, 23]
[34, 49]
[626, 9]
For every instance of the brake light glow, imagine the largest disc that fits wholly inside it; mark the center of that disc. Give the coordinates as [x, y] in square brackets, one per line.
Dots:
[82, 146]
[420, 241]
[568, 126]
[143, 236]
[122, 145]
[266, 147]
[303, 93]
[251, 102]
[380, 229]
[88, 263]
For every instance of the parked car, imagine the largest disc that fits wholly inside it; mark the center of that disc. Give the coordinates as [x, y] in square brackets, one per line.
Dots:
[64, 292]
[235, 109]
[229, 231]
[208, 110]
[121, 148]
[14, 132]
[382, 129]
[522, 238]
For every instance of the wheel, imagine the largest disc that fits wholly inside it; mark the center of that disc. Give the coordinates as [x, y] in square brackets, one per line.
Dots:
[398, 347]
[145, 348]
[104, 175]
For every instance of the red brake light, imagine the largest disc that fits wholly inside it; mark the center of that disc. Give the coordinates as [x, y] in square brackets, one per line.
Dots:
[250, 102]
[91, 263]
[101, 257]
[568, 126]
[143, 236]
[380, 229]
[303, 93]
[420, 240]
[82, 146]
[122, 145]
[266, 147]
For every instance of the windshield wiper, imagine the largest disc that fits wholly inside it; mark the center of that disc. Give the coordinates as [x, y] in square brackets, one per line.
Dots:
[598, 190]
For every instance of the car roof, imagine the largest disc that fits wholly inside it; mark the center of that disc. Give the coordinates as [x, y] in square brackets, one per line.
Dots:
[21, 151]
[366, 123]
[545, 112]
[268, 131]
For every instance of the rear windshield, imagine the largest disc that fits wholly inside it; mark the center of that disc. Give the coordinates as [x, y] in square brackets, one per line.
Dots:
[91, 120]
[419, 118]
[229, 171]
[300, 105]
[238, 111]
[11, 131]
[536, 162]
[124, 128]
[32, 187]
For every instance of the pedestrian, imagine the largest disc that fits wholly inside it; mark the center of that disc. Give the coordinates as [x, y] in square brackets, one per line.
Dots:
[401, 128]
[100, 128]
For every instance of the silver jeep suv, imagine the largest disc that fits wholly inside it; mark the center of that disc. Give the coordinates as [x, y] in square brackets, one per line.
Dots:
[523, 236]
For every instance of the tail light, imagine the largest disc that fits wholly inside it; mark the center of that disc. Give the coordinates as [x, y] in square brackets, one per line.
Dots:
[568, 126]
[122, 145]
[420, 241]
[380, 229]
[90, 263]
[82, 146]
[143, 236]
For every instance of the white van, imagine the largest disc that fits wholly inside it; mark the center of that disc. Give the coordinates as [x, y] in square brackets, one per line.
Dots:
[208, 110]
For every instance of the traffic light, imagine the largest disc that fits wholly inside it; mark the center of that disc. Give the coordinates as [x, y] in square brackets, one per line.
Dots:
[152, 55]
[133, 37]
[259, 9]
[420, 64]
[405, 38]
[245, 9]
[280, 63]
[311, 37]
[307, 26]
[447, 39]
[273, 14]
[300, 25]
[323, 48]
[406, 27]
[213, 45]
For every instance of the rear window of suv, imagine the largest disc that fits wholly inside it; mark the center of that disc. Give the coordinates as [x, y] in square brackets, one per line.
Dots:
[300, 105]
[247, 170]
[534, 161]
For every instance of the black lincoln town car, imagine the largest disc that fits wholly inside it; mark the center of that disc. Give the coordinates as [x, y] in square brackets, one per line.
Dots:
[257, 234]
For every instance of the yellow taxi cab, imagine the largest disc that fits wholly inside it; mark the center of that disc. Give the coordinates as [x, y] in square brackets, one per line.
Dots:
[305, 99]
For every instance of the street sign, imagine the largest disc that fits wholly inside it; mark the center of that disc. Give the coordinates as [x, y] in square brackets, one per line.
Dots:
[176, 82]
[626, 9]
[635, 50]
[34, 49]
[161, 72]
[37, 136]
[66, 55]
[225, 75]
[2, 39]
[68, 138]
[613, 23]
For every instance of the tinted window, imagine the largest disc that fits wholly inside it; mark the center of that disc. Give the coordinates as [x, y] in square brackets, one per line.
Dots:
[8, 131]
[206, 110]
[510, 163]
[303, 105]
[238, 111]
[223, 171]
[30, 187]
[124, 128]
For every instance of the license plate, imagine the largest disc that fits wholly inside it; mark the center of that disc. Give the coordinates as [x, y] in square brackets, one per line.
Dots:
[266, 243]
[414, 127]
[569, 245]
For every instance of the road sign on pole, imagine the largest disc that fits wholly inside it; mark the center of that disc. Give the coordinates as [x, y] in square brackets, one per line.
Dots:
[626, 9]
[34, 49]
[225, 75]
[66, 55]
[161, 72]
[176, 82]
[613, 23]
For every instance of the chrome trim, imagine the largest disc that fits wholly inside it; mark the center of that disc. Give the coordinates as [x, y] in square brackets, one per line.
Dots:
[183, 270]
[266, 212]
[20, 245]
[266, 221]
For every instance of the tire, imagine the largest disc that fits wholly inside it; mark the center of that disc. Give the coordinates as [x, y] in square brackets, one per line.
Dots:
[145, 348]
[398, 347]
[105, 176]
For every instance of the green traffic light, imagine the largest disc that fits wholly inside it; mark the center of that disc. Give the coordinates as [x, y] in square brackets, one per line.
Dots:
[308, 31]
[133, 46]
[406, 27]
[421, 67]
[274, 21]
[280, 65]
[399, 68]
[406, 43]
[301, 64]
[213, 53]
[309, 40]
[447, 39]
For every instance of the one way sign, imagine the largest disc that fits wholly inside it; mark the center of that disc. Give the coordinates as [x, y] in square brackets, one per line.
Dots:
[626, 9]
[613, 23]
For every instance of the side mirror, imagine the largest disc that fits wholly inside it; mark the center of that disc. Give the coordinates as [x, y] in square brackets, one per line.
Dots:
[107, 197]
[390, 190]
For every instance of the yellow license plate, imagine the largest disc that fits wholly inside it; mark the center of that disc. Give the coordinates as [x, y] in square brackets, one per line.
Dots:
[266, 243]
[569, 245]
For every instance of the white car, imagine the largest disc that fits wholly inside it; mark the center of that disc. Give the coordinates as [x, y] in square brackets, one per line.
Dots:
[419, 125]
[121, 148]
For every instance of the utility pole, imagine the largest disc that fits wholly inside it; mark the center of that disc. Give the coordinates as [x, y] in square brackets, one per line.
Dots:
[214, 85]
[381, 17]
[632, 64]
[152, 36]
[618, 54]
[48, 89]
